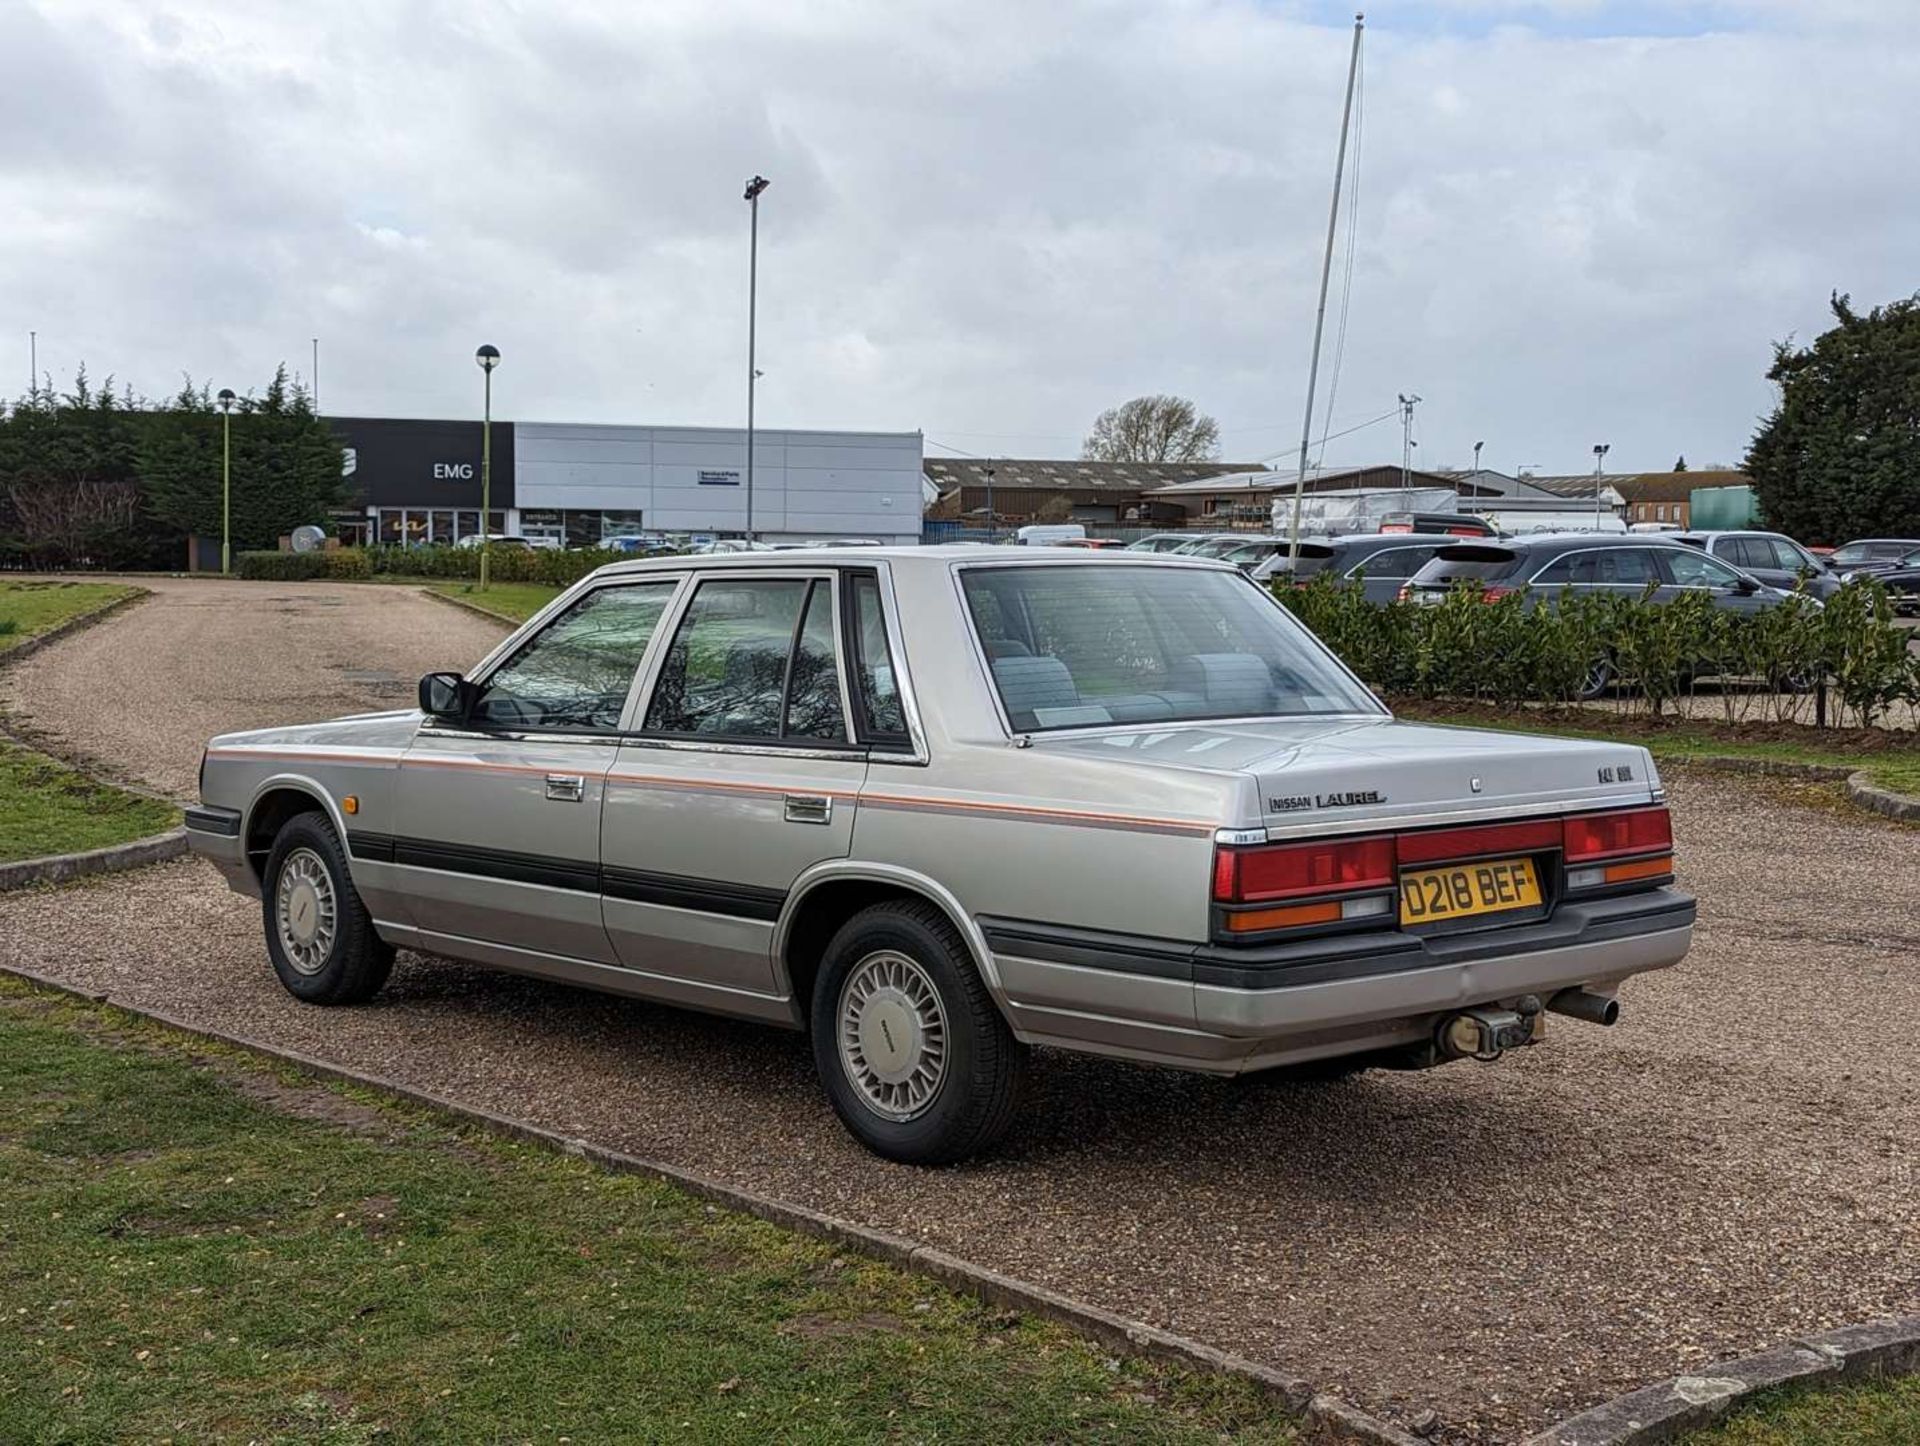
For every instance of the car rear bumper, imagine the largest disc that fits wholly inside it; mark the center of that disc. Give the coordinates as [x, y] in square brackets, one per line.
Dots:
[214, 834]
[1228, 1009]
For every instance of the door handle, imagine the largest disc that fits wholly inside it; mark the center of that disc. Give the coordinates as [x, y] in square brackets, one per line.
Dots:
[565, 787]
[809, 808]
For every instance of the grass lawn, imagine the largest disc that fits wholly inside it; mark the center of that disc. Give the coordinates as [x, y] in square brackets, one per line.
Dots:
[515, 600]
[48, 808]
[1872, 1413]
[197, 1247]
[27, 608]
[1891, 759]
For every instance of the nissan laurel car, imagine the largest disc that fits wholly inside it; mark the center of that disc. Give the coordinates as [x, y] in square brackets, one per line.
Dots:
[936, 806]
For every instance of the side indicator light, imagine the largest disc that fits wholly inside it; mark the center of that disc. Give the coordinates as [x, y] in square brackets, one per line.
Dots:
[350, 804]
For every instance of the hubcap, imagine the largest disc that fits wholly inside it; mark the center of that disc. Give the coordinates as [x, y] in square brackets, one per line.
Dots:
[893, 1035]
[304, 911]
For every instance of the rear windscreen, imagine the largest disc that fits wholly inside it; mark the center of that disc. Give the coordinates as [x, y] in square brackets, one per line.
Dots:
[1468, 562]
[1313, 557]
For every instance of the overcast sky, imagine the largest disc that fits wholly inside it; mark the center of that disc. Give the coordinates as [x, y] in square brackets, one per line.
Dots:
[1577, 221]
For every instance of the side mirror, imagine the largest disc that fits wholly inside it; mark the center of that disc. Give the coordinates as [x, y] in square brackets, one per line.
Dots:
[446, 696]
[1746, 586]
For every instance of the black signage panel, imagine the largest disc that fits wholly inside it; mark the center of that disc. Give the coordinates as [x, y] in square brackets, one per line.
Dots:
[401, 462]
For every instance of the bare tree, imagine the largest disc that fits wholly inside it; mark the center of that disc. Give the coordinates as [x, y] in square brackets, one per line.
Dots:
[1153, 429]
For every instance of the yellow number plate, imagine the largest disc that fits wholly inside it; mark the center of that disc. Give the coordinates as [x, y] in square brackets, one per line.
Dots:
[1431, 896]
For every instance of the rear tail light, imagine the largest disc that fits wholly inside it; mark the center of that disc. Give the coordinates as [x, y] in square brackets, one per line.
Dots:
[1495, 592]
[1632, 847]
[1610, 835]
[1288, 871]
[1396, 527]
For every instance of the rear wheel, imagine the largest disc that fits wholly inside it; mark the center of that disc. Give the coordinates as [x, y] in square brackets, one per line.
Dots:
[319, 935]
[915, 1058]
[1599, 678]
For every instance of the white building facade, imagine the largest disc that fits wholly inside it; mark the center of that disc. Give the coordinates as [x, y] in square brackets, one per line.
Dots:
[582, 484]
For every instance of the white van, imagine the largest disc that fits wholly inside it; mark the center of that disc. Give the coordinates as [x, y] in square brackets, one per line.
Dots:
[1045, 534]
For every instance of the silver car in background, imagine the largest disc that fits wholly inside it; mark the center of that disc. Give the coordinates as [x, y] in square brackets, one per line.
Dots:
[939, 805]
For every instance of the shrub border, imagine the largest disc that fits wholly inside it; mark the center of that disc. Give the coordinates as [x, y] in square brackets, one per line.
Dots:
[1325, 1418]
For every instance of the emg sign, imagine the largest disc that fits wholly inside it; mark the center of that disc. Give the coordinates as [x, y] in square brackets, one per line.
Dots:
[453, 471]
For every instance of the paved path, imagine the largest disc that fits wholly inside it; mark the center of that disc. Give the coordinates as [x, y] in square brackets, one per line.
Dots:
[144, 691]
[1732, 1164]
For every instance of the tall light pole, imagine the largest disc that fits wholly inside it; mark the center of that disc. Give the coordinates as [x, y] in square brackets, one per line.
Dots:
[33, 363]
[1600, 450]
[489, 358]
[752, 198]
[226, 400]
[316, 376]
[1408, 401]
[991, 518]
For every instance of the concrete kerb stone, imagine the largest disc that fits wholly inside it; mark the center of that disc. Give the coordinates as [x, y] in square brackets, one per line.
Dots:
[34, 644]
[472, 607]
[1869, 795]
[1673, 1408]
[1326, 1418]
[117, 858]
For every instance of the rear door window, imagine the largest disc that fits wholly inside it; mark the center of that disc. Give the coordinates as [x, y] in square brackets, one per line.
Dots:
[876, 687]
[1392, 562]
[753, 659]
[1695, 569]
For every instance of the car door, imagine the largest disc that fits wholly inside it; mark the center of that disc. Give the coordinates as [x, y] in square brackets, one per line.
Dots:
[1690, 570]
[742, 773]
[1755, 557]
[499, 816]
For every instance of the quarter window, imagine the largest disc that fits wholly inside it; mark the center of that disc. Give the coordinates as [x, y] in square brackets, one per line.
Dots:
[876, 687]
[575, 674]
[753, 658]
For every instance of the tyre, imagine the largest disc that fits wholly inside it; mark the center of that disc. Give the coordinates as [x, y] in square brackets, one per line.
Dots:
[914, 1056]
[319, 935]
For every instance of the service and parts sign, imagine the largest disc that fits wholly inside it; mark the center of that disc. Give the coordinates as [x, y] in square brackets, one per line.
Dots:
[718, 476]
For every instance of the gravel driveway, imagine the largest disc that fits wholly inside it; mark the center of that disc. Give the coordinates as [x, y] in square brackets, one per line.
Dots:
[1734, 1163]
[142, 692]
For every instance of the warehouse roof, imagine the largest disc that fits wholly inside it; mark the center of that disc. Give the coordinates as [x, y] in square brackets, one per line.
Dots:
[1070, 475]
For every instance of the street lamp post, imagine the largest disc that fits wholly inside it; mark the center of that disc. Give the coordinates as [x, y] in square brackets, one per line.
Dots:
[752, 198]
[992, 529]
[488, 357]
[226, 400]
[1600, 450]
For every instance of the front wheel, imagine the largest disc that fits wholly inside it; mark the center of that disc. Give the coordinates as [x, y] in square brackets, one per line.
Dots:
[319, 935]
[915, 1058]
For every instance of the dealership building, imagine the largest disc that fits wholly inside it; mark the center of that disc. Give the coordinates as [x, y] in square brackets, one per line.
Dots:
[419, 481]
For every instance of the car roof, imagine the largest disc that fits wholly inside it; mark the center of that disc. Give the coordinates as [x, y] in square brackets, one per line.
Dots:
[933, 555]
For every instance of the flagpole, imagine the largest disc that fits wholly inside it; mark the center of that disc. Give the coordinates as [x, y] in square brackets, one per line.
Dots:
[1326, 274]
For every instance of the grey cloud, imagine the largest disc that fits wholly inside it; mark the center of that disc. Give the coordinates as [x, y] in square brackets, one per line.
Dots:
[987, 221]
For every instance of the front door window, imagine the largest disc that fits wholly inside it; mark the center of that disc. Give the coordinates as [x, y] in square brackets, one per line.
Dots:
[575, 674]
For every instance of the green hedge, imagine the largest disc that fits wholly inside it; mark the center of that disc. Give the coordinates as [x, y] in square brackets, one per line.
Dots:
[281, 566]
[549, 565]
[1496, 649]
